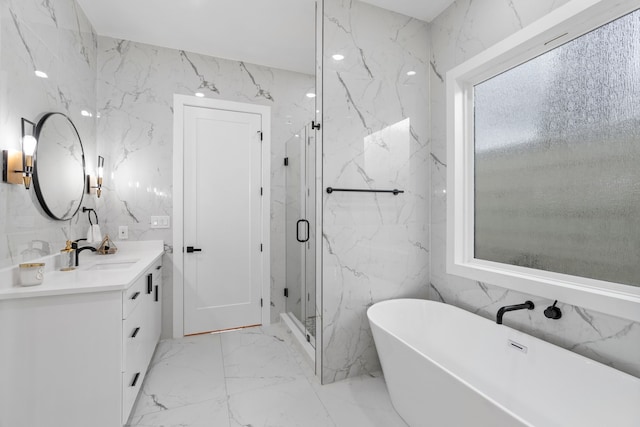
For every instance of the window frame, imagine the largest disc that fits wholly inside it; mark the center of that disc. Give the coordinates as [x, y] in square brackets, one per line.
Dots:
[560, 26]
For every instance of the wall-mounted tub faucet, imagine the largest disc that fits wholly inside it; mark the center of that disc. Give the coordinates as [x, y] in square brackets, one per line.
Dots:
[527, 304]
[553, 312]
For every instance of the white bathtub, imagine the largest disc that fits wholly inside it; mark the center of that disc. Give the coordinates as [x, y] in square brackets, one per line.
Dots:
[447, 367]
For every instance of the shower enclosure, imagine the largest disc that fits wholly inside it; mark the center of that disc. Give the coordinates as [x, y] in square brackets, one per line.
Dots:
[300, 291]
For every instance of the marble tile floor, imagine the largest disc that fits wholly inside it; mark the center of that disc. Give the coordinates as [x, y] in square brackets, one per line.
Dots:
[252, 377]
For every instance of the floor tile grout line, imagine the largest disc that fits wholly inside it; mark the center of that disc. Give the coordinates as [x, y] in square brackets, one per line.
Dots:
[291, 348]
[224, 375]
[315, 391]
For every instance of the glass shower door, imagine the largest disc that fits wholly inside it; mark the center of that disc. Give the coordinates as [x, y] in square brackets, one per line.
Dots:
[295, 268]
[300, 235]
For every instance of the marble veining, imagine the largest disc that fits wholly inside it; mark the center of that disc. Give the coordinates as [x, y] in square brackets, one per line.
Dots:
[376, 135]
[252, 377]
[135, 132]
[463, 30]
[53, 36]
[204, 84]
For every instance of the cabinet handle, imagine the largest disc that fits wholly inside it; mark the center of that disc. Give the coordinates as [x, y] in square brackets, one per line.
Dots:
[156, 293]
[135, 379]
[135, 332]
[149, 283]
[136, 295]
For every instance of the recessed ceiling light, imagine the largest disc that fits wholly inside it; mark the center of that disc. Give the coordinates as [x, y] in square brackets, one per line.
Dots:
[200, 94]
[297, 136]
[411, 73]
[85, 113]
[41, 74]
[337, 57]
[311, 95]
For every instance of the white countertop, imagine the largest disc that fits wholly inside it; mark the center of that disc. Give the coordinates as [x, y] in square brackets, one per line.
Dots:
[141, 255]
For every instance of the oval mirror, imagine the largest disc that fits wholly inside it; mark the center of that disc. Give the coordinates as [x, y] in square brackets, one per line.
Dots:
[58, 168]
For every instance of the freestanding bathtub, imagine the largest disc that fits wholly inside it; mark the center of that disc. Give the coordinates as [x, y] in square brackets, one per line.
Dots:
[447, 367]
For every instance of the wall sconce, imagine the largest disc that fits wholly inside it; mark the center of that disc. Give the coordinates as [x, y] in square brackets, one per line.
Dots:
[95, 183]
[17, 167]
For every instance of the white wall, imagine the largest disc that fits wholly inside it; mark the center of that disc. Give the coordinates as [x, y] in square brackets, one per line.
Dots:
[376, 135]
[463, 30]
[136, 84]
[57, 38]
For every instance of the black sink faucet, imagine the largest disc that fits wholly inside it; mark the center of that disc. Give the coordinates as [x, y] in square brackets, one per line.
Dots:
[527, 304]
[74, 245]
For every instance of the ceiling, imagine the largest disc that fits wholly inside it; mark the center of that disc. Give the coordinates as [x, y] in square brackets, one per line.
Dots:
[425, 10]
[275, 33]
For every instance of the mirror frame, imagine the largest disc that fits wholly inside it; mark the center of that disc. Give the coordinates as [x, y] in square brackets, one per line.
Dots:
[36, 182]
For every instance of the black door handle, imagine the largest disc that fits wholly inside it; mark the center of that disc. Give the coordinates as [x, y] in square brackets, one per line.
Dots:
[298, 230]
[191, 249]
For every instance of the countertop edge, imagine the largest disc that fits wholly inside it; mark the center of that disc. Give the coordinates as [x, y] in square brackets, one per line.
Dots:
[24, 292]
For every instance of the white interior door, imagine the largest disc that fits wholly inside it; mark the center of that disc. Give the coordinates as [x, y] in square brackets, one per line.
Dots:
[222, 219]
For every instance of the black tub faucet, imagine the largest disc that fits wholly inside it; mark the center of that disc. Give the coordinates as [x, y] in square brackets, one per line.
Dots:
[527, 304]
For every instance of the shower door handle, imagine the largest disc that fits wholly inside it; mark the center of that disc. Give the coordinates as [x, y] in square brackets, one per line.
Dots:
[298, 230]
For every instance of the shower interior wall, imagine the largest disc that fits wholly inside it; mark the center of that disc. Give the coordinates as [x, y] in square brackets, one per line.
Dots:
[375, 135]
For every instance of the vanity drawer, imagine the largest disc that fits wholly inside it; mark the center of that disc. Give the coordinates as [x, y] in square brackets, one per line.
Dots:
[133, 295]
[156, 270]
[131, 385]
[139, 337]
[134, 331]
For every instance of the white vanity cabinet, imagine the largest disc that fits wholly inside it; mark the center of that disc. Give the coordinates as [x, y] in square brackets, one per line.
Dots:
[78, 359]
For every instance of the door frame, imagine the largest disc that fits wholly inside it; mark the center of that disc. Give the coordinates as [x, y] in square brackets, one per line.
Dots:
[179, 103]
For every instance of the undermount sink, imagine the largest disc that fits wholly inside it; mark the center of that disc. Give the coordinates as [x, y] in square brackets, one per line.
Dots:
[122, 265]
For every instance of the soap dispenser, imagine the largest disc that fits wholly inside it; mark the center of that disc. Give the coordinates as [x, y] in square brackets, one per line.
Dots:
[67, 258]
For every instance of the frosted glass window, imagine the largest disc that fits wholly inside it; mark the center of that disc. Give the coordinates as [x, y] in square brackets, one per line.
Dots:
[557, 158]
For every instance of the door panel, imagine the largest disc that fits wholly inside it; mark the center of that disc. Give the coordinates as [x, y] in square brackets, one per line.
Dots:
[294, 230]
[222, 212]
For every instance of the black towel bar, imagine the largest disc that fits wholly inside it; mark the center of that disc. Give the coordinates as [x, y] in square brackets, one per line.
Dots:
[367, 190]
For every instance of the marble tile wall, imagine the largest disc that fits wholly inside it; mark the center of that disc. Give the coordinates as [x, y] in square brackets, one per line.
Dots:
[376, 135]
[463, 30]
[55, 37]
[136, 84]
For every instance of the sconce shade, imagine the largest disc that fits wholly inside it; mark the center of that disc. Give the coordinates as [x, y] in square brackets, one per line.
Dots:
[100, 167]
[29, 143]
[17, 167]
[94, 183]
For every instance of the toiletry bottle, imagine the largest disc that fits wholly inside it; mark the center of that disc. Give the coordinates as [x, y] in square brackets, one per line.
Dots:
[67, 258]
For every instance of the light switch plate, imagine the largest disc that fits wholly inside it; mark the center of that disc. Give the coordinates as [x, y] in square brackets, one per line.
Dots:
[123, 232]
[160, 222]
